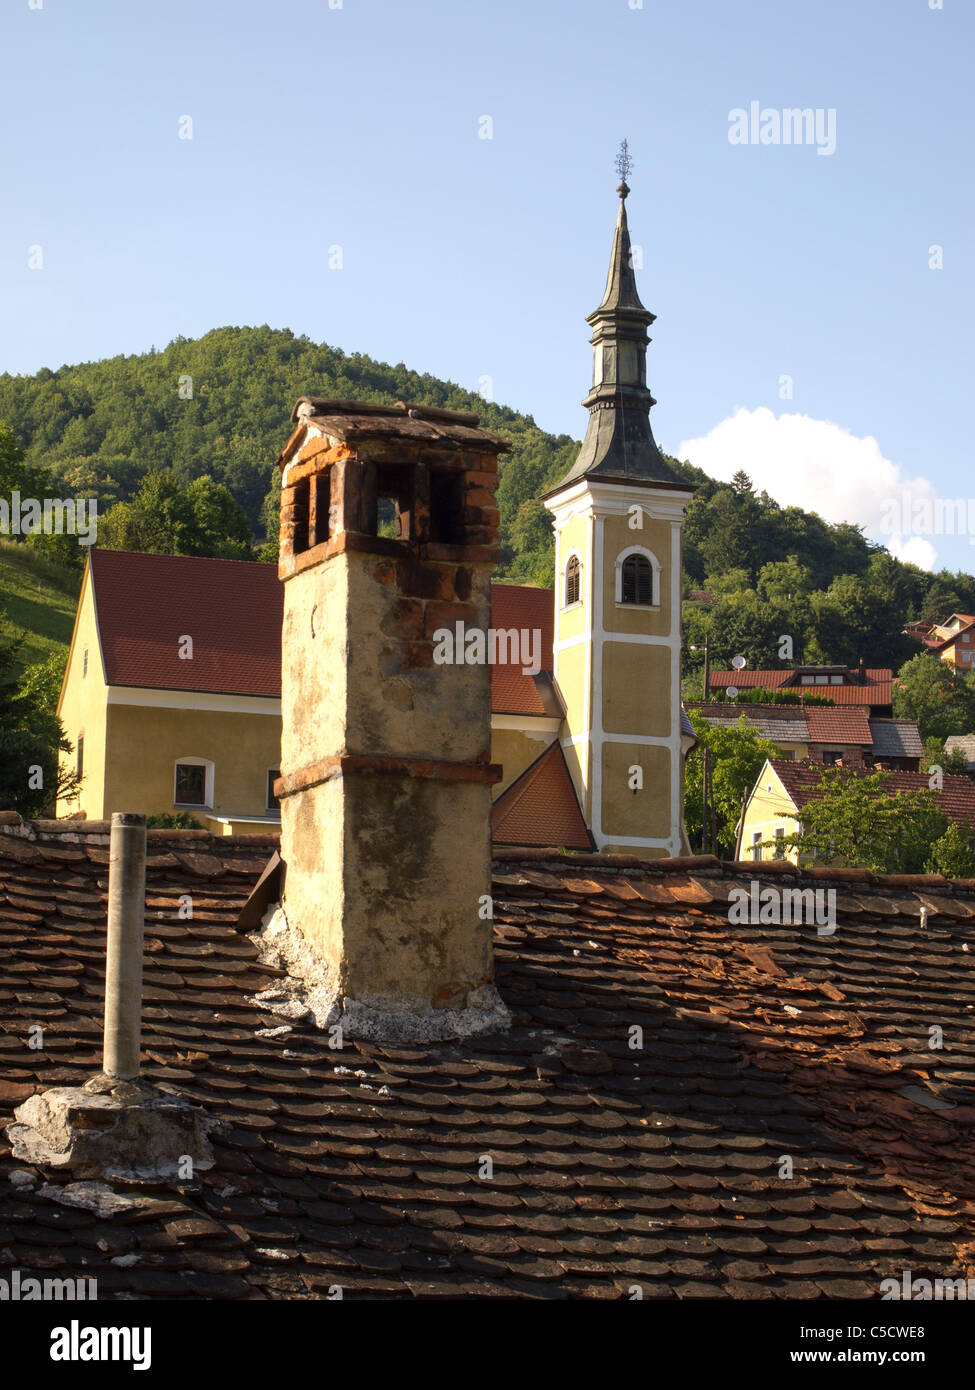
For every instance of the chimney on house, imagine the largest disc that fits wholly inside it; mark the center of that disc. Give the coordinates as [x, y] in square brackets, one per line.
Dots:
[388, 540]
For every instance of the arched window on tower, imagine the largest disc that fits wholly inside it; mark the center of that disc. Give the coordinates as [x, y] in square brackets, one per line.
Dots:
[636, 580]
[572, 580]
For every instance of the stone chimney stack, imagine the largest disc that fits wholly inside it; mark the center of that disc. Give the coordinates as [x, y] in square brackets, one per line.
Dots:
[385, 749]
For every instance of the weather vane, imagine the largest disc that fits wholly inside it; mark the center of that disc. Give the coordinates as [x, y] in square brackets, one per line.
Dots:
[624, 166]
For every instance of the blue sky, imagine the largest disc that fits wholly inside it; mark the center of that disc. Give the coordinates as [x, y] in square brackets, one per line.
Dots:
[471, 258]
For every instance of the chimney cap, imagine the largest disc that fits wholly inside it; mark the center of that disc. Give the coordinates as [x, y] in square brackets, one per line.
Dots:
[307, 406]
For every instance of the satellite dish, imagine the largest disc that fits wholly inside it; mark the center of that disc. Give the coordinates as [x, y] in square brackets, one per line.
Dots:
[739, 663]
[732, 692]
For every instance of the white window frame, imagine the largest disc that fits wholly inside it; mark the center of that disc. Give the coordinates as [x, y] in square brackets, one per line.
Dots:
[756, 846]
[654, 603]
[191, 760]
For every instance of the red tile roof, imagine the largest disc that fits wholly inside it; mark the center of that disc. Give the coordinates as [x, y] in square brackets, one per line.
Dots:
[847, 726]
[540, 807]
[956, 799]
[233, 609]
[876, 690]
[514, 606]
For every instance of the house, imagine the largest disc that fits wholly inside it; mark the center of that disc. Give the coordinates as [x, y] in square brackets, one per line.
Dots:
[954, 641]
[963, 743]
[172, 693]
[843, 685]
[844, 734]
[773, 809]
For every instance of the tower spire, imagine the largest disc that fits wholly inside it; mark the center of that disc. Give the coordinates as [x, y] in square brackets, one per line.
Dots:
[619, 442]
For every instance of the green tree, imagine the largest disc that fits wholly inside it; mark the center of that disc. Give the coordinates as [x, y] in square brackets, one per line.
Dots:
[953, 853]
[219, 525]
[858, 821]
[936, 755]
[16, 474]
[166, 517]
[737, 755]
[930, 692]
[32, 773]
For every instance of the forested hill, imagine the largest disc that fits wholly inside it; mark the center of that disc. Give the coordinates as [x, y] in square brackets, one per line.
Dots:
[218, 408]
[101, 426]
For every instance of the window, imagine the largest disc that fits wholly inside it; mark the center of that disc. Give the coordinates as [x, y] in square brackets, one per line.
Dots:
[193, 782]
[836, 680]
[302, 495]
[756, 844]
[84, 663]
[822, 680]
[637, 585]
[779, 847]
[637, 578]
[446, 507]
[831, 756]
[807, 680]
[80, 768]
[573, 573]
[273, 773]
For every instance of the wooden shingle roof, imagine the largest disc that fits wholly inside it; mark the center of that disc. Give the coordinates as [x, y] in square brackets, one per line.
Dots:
[621, 1158]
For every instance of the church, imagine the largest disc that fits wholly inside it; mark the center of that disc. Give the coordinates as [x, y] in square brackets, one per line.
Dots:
[587, 732]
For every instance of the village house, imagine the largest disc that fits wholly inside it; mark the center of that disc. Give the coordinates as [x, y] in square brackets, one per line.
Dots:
[952, 641]
[773, 809]
[964, 744]
[844, 685]
[845, 734]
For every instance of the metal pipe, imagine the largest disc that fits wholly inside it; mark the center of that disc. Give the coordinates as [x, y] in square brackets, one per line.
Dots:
[126, 925]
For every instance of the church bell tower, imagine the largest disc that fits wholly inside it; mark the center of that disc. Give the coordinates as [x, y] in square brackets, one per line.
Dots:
[618, 516]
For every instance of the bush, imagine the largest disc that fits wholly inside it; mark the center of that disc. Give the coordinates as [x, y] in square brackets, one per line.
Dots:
[165, 820]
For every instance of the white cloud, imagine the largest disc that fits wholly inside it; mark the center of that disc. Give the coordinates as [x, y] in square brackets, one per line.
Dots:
[914, 551]
[819, 466]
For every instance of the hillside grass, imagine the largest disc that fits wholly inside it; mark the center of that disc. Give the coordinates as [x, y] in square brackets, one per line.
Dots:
[37, 598]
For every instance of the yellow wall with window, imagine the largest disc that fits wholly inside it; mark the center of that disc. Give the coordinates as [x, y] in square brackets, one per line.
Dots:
[770, 808]
[147, 742]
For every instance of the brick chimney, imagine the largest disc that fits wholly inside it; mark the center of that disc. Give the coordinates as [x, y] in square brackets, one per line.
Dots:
[385, 754]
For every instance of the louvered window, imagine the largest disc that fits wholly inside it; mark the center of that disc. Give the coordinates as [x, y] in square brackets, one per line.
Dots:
[572, 572]
[637, 586]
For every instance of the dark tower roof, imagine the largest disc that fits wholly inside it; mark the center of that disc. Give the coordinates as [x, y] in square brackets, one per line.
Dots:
[619, 443]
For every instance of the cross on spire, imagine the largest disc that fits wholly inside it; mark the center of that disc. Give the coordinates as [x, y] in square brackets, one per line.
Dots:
[624, 166]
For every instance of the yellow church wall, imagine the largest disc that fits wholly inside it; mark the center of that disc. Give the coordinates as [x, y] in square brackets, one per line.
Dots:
[146, 744]
[636, 689]
[82, 709]
[516, 749]
[578, 759]
[642, 814]
[654, 536]
[573, 679]
[574, 536]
